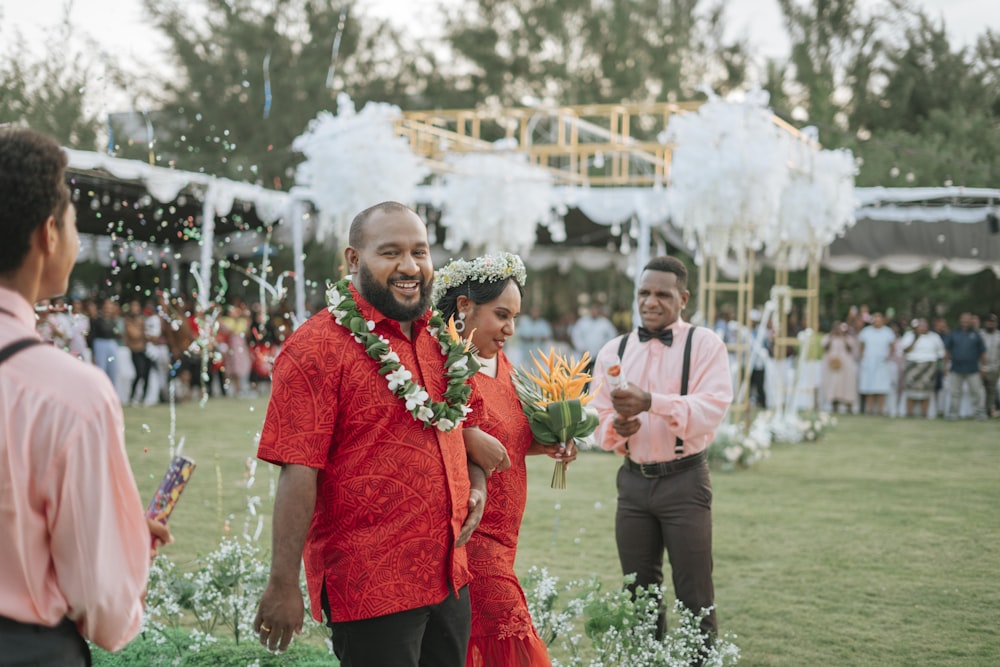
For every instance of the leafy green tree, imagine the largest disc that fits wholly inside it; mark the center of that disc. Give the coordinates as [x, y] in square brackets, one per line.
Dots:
[953, 147]
[833, 50]
[48, 93]
[915, 110]
[581, 51]
[251, 75]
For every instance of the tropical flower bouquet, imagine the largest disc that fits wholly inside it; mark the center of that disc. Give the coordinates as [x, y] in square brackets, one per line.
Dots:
[554, 400]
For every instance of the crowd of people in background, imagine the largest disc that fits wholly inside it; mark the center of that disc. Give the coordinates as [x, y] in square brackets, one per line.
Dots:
[867, 363]
[143, 344]
[878, 364]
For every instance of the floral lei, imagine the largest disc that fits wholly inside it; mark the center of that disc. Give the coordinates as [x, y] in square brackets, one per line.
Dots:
[459, 363]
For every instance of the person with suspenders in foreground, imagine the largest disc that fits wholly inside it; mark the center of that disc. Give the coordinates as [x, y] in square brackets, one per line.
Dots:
[677, 388]
[74, 539]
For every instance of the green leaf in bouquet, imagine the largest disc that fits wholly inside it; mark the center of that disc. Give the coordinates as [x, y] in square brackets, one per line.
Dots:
[541, 428]
[564, 416]
[588, 425]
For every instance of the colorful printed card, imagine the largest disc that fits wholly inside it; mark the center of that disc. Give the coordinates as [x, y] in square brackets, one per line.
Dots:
[169, 492]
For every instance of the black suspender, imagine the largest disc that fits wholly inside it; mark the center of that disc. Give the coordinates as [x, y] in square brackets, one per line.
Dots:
[621, 347]
[13, 348]
[685, 375]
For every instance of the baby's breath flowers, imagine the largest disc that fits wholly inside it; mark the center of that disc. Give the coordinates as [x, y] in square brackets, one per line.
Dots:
[485, 269]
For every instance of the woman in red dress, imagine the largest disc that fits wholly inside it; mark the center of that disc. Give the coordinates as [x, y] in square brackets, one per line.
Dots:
[484, 296]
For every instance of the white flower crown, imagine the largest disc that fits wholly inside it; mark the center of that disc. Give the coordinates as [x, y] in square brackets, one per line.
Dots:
[485, 269]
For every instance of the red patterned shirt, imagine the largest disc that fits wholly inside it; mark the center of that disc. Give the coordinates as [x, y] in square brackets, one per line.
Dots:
[392, 493]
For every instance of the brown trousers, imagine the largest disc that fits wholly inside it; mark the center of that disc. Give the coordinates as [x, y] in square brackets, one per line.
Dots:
[673, 512]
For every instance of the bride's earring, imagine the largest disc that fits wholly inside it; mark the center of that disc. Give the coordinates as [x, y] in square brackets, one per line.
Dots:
[460, 324]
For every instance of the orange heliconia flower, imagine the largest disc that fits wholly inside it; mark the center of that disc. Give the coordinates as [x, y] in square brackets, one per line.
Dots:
[559, 378]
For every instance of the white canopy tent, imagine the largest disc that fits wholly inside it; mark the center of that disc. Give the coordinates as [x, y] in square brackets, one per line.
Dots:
[908, 229]
[216, 196]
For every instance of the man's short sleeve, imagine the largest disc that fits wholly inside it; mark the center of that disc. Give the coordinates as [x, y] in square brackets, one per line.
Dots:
[301, 414]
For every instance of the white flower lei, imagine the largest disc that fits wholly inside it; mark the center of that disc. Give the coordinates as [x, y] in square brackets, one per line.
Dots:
[458, 368]
[488, 268]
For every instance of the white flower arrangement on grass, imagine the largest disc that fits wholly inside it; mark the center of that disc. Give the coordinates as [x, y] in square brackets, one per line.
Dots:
[794, 427]
[735, 447]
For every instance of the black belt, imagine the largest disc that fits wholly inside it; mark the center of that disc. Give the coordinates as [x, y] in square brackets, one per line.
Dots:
[664, 468]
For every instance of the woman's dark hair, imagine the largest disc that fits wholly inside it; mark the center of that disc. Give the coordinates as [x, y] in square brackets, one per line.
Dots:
[32, 187]
[477, 292]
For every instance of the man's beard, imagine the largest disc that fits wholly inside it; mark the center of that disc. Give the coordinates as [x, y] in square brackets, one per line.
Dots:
[386, 303]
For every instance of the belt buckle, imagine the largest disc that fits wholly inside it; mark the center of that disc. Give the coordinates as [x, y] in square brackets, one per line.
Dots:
[652, 466]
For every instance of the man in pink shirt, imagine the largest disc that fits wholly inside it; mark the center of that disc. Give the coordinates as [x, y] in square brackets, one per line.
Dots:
[663, 429]
[74, 541]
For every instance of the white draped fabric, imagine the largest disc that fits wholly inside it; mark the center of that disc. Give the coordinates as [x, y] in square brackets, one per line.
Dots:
[354, 160]
[495, 201]
[165, 185]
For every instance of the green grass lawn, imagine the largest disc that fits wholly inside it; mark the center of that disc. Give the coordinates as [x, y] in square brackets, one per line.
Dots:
[879, 545]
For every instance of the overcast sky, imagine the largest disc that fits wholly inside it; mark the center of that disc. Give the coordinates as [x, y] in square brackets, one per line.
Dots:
[122, 30]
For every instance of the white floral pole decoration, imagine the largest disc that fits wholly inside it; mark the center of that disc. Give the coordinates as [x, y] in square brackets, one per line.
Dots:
[355, 160]
[495, 201]
[729, 167]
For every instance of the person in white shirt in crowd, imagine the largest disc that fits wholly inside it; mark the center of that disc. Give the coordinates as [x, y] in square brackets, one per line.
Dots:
[760, 355]
[922, 349]
[157, 350]
[875, 375]
[991, 371]
[78, 331]
[61, 322]
[591, 332]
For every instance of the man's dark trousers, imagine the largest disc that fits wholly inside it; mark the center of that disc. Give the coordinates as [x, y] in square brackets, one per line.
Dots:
[672, 512]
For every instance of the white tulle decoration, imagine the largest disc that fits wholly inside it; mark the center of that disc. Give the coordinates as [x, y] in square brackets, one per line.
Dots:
[495, 201]
[729, 168]
[355, 160]
[739, 181]
[816, 208]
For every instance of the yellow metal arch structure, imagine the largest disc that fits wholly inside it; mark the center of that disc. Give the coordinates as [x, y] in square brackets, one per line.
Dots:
[593, 144]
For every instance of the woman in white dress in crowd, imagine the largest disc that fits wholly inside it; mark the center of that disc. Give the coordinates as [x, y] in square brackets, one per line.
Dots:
[875, 376]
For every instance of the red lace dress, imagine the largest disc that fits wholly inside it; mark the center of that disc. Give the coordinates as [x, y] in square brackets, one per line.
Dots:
[502, 633]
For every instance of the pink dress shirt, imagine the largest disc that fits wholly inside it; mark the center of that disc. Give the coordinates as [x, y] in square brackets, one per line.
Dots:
[656, 368]
[73, 535]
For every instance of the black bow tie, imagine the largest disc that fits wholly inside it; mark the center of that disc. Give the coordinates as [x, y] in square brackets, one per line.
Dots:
[666, 336]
